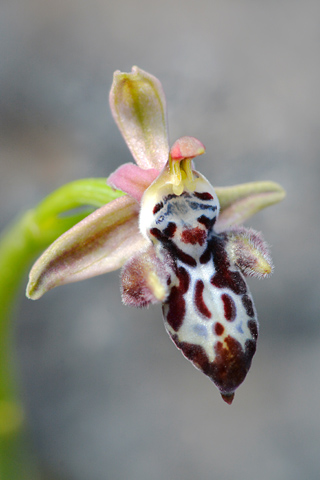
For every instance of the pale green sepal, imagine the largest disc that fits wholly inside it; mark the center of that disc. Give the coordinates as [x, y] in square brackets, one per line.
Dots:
[100, 243]
[138, 105]
[240, 202]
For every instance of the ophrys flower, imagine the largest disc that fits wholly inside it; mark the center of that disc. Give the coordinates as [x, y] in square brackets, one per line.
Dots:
[176, 238]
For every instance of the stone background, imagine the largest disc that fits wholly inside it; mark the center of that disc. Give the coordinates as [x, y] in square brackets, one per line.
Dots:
[108, 395]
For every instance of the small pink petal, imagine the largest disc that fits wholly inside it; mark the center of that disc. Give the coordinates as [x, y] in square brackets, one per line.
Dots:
[132, 179]
[100, 243]
[186, 147]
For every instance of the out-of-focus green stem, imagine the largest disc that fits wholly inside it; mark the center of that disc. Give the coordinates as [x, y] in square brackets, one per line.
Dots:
[26, 238]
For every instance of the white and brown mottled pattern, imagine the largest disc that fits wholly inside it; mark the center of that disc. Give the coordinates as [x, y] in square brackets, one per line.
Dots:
[209, 312]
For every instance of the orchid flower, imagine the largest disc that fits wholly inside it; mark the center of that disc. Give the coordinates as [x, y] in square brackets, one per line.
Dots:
[176, 238]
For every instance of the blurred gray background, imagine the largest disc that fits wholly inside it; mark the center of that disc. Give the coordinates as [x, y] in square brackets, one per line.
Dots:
[107, 393]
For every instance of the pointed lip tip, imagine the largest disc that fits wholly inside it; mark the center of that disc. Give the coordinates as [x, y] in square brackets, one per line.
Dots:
[228, 397]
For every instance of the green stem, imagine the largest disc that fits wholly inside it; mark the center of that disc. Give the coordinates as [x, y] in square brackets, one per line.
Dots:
[19, 245]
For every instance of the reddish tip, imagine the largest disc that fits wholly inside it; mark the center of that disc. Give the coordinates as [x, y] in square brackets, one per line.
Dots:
[227, 397]
[186, 147]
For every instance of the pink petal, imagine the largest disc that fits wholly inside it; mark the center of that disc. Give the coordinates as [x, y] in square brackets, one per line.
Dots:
[186, 147]
[132, 179]
[100, 243]
[138, 106]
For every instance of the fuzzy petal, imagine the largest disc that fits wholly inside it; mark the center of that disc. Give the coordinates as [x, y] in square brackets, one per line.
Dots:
[100, 243]
[247, 249]
[138, 106]
[240, 202]
[132, 179]
[144, 279]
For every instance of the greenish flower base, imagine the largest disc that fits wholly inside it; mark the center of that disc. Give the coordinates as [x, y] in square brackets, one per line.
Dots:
[20, 244]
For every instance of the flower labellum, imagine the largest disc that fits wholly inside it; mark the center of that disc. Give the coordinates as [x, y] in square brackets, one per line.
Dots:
[208, 312]
[177, 238]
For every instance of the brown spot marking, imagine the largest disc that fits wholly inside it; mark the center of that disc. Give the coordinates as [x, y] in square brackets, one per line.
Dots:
[177, 309]
[170, 246]
[230, 309]
[225, 278]
[198, 299]
[170, 230]
[194, 353]
[176, 302]
[184, 279]
[207, 222]
[206, 256]
[230, 366]
[248, 305]
[250, 347]
[194, 235]
[171, 196]
[203, 195]
[228, 279]
[253, 327]
[218, 328]
[156, 233]
[157, 207]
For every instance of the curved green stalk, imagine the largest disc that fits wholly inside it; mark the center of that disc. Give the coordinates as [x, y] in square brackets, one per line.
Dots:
[19, 245]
